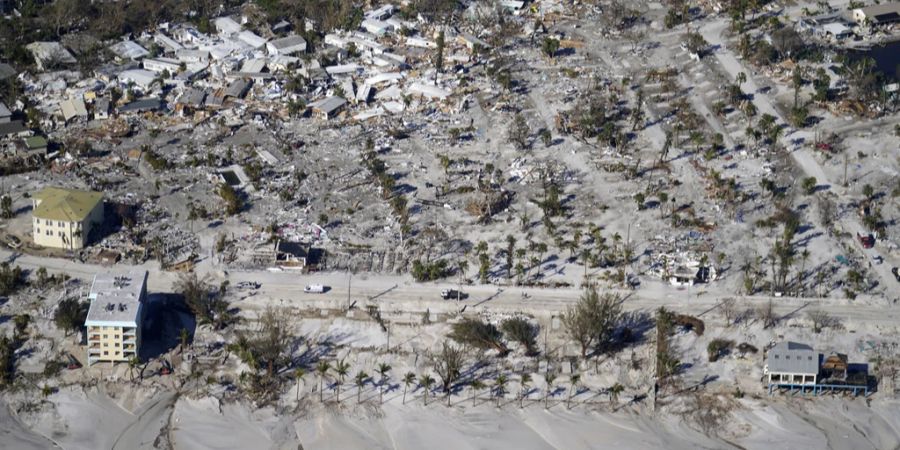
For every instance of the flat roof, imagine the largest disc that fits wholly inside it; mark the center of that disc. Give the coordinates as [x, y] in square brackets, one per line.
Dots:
[116, 298]
[65, 204]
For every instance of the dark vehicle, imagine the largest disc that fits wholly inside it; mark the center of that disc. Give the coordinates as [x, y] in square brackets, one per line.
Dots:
[453, 294]
[896, 274]
[867, 240]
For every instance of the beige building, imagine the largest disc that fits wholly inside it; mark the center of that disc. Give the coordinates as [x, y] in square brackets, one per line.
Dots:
[63, 218]
[114, 318]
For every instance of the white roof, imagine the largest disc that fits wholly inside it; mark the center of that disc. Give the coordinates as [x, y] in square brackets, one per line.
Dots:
[73, 107]
[252, 39]
[384, 78]
[167, 42]
[46, 51]
[129, 50]
[343, 69]
[376, 26]
[835, 28]
[254, 65]
[381, 13]
[392, 92]
[116, 299]
[226, 25]
[140, 77]
[427, 90]
[419, 42]
[187, 54]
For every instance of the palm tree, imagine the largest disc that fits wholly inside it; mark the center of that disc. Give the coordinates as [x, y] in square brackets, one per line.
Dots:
[298, 374]
[549, 377]
[500, 387]
[574, 379]
[475, 385]
[382, 370]
[360, 382]
[322, 369]
[342, 369]
[426, 381]
[525, 381]
[408, 379]
[614, 392]
[132, 364]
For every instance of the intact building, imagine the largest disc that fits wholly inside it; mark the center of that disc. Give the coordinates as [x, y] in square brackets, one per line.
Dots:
[114, 318]
[63, 218]
[878, 14]
[792, 363]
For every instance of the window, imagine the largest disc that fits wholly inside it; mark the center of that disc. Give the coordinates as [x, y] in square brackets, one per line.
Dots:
[809, 358]
[117, 353]
[60, 224]
[105, 353]
[105, 336]
[37, 221]
[776, 356]
[37, 230]
[787, 356]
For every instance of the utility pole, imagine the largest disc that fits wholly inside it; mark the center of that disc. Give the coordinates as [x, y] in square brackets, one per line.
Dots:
[349, 280]
[846, 161]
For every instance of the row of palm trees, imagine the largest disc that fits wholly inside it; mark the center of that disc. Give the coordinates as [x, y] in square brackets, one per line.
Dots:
[498, 387]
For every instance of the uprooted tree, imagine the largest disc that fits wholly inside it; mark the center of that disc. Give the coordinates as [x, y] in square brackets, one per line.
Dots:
[519, 329]
[479, 334]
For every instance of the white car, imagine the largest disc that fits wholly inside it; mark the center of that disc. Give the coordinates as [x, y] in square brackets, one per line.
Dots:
[315, 289]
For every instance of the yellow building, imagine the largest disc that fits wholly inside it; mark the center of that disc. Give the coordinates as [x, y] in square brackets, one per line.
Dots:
[114, 318]
[63, 218]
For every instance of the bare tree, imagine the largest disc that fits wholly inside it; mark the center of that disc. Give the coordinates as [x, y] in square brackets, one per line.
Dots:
[447, 364]
[729, 310]
[766, 314]
[820, 320]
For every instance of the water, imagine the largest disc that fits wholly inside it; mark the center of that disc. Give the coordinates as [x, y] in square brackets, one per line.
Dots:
[887, 59]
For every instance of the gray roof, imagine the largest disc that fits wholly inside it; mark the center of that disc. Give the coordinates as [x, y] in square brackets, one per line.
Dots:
[793, 357]
[147, 104]
[237, 88]
[4, 111]
[12, 127]
[6, 71]
[288, 42]
[328, 105]
[101, 105]
[116, 298]
[192, 96]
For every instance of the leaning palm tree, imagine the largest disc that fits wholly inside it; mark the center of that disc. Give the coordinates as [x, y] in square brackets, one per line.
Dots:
[360, 382]
[574, 379]
[525, 381]
[298, 374]
[382, 370]
[322, 369]
[342, 369]
[408, 379]
[614, 392]
[500, 387]
[475, 385]
[426, 381]
[549, 377]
